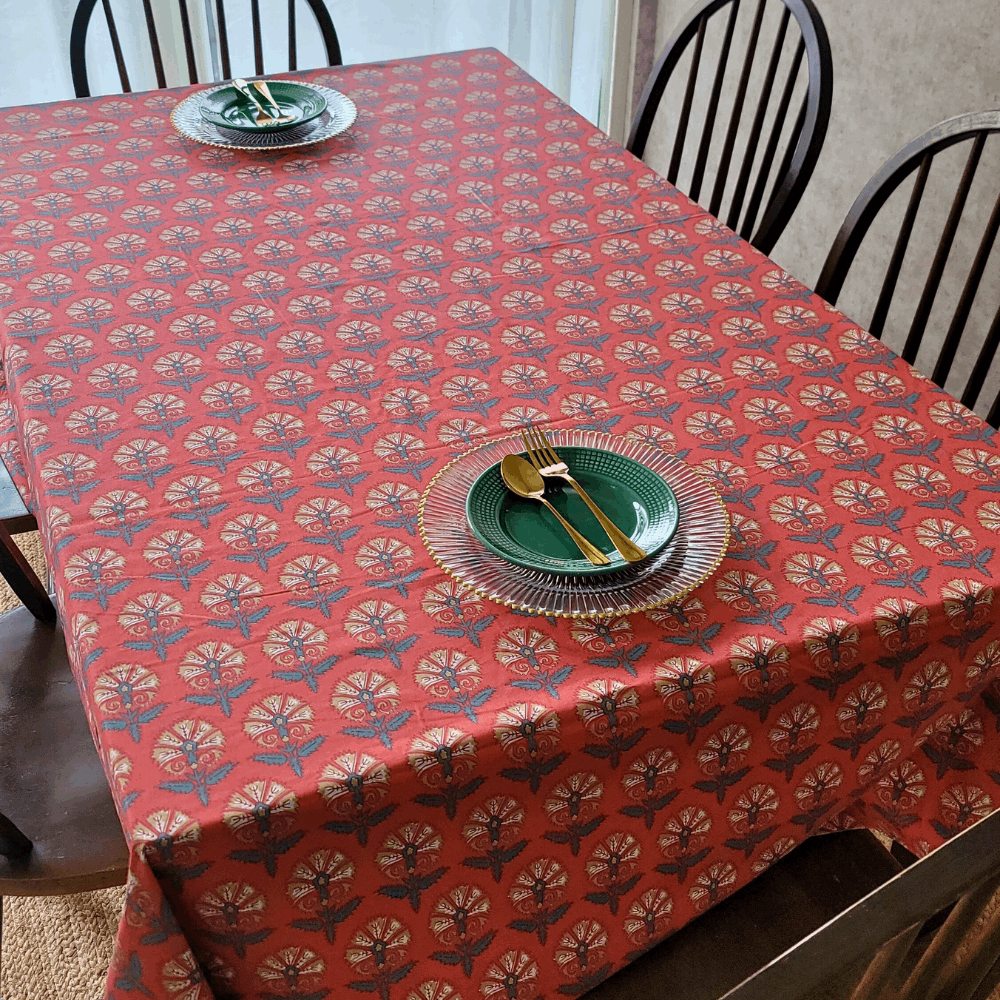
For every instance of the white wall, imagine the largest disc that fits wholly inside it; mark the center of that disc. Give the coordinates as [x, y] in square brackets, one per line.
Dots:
[27, 33]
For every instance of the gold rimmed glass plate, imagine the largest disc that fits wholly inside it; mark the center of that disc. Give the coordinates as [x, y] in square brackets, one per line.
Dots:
[687, 560]
[339, 115]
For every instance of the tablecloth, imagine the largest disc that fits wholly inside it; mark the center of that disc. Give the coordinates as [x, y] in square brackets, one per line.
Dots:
[340, 771]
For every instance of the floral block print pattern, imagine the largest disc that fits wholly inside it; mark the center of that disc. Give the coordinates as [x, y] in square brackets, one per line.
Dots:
[342, 773]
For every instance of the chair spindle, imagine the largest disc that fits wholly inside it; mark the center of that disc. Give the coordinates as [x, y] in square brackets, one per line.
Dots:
[954, 335]
[985, 989]
[790, 146]
[986, 355]
[973, 964]
[188, 42]
[925, 979]
[886, 963]
[116, 46]
[722, 174]
[154, 43]
[929, 293]
[713, 104]
[757, 196]
[877, 324]
[292, 54]
[258, 47]
[753, 139]
[685, 115]
[220, 13]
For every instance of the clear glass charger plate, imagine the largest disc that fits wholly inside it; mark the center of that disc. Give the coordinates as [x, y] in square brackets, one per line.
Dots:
[340, 115]
[690, 557]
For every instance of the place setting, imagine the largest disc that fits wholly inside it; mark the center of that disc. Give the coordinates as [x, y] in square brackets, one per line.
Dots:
[573, 523]
[264, 114]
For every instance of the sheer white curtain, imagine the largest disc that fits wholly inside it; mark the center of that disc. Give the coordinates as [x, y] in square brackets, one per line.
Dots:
[566, 44]
[562, 43]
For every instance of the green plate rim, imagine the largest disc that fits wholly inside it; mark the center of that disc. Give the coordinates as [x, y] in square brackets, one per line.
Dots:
[216, 119]
[581, 566]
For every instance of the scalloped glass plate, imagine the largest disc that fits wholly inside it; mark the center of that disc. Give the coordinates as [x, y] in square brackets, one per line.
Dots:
[339, 115]
[690, 557]
[524, 533]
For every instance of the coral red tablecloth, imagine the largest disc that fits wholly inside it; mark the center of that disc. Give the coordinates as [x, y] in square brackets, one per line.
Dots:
[232, 375]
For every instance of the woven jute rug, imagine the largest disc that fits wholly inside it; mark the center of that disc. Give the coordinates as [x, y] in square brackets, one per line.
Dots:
[55, 947]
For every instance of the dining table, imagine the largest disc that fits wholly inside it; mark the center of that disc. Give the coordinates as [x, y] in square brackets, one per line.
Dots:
[229, 378]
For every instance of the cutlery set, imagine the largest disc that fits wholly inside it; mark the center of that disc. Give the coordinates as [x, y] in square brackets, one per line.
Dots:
[262, 106]
[526, 478]
[526, 481]
[262, 117]
[547, 462]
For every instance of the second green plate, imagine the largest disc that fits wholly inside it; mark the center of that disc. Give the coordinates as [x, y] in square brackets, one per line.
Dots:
[526, 534]
[230, 109]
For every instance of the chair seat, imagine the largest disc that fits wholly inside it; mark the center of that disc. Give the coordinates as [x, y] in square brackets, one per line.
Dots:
[710, 956]
[52, 785]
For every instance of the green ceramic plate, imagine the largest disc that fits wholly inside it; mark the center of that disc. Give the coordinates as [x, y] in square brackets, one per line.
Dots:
[524, 533]
[228, 108]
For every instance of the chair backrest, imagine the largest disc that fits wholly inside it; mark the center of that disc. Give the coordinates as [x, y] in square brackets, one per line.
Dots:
[796, 150]
[85, 8]
[918, 156]
[876, 935]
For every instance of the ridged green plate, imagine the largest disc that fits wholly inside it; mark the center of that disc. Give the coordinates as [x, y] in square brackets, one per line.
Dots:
[526, 534]
[228, 108]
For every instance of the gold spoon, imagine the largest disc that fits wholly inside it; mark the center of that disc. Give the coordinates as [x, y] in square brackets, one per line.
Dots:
[523, 478]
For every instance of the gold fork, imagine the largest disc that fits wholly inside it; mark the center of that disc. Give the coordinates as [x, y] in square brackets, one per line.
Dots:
[262, 117]
[262, 88]
[548, 463]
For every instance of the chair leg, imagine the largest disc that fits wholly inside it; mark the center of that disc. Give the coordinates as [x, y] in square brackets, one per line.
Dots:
[989, 984]
[930, 977]
[17, 571]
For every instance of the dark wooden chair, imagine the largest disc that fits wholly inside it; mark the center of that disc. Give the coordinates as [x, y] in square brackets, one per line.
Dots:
[85, 8]
[796, 152]
[838, 919]
[14, 568]
[918, 156]
[59, 832]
